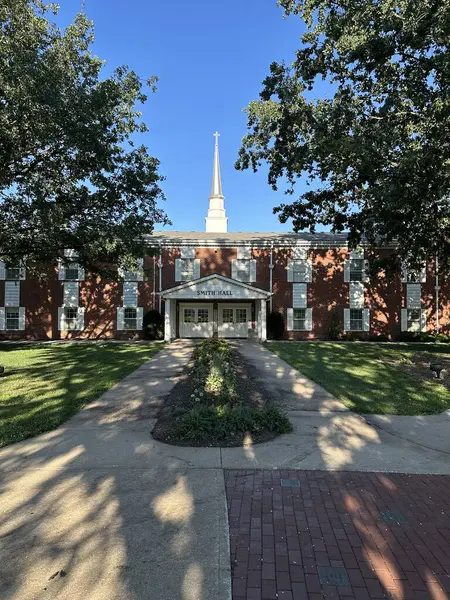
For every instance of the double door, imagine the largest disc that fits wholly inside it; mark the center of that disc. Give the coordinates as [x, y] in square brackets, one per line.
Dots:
[196, 321]
[234, 320]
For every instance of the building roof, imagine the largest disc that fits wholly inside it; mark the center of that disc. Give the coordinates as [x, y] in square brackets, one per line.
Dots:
[255, 238]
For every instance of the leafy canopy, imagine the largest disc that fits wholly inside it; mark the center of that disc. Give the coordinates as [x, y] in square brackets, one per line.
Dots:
[376, 150]
[70, 174]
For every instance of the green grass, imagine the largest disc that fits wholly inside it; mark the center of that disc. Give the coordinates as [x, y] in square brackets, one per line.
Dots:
[44, 385]
[363, 377]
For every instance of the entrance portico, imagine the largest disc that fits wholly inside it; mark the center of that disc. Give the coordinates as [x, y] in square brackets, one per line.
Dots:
[215, 306]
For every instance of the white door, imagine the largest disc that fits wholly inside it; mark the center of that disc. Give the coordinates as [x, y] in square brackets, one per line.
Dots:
[196, 320]
[234, 320]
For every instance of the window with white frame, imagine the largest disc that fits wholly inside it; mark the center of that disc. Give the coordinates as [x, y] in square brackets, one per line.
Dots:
[242, 270]
[12, 273]
[414, 319]
[71, 271]
[130, 318]
[203, 315]
[227, 315]
[414, 275]
[71, 318]
[12, 318]
[189, 315]
[187, 269]
[357, 269]
[299, 319]
[356, 319]
[241, 315]
[300, 271]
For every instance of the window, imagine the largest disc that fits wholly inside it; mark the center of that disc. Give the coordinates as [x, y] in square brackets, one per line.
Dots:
[203, 315]
[413, 277]
[242, 270]
[187, 266]
[12, 273]
[300, 271]
[414, 319]
[71, 318]
[299, 319]
[189, 315]
[71, 271]
[227, 315]
[356, 319]
[130, 318]
[356, 269]
[241, 315]
[12, 318]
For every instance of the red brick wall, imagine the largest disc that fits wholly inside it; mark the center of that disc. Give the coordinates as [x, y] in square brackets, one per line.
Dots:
[328, 293]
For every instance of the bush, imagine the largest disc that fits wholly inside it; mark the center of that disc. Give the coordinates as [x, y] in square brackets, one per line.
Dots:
[377, 337]
[275, 325]
[153, 325]
[442, 338]
[334, 326]
[218, 422]
[410, 336]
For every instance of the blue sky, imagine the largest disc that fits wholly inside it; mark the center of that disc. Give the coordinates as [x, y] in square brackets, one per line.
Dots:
[211, 58]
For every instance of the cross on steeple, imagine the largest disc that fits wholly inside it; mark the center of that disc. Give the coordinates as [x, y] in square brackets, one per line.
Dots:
[216, 135]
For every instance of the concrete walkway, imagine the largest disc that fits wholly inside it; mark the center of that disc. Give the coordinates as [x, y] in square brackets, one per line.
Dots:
[118, 515]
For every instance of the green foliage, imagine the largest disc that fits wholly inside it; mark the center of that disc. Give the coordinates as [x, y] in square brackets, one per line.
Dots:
[409, 336]
[375, 148]
[153, 325]
[442, 338]
[214, 373]
[70, 173]
[218, 423]
[275, 325]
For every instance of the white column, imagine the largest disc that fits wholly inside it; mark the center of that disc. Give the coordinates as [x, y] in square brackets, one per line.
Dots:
[167, 322]
[263, 329]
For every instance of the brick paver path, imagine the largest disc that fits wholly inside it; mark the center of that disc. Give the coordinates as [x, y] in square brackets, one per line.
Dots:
[384, 535]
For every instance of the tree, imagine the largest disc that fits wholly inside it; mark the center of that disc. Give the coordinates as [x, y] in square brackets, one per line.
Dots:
[71, 175]
[376, 151]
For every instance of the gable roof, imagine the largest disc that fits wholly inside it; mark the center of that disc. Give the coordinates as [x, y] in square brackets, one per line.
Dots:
[254, 292]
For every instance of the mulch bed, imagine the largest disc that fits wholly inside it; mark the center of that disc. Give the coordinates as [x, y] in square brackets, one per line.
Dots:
[249, 389]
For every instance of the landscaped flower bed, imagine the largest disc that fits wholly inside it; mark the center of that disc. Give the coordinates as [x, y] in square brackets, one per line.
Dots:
[218, 402]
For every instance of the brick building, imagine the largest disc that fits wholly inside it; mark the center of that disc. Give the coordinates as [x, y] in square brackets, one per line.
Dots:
[219, 283]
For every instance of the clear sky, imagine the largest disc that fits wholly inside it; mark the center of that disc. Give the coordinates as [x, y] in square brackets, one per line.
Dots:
[211, 57]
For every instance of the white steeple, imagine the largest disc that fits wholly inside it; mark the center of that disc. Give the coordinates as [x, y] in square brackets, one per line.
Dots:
[216, 221]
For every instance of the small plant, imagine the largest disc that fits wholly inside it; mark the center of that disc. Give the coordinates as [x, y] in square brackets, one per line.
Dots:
[334, 326]
[275, 325]
[153, 325]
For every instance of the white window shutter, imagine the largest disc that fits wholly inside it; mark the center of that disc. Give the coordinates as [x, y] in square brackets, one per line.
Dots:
[346, 319]
[12, 293]
[61, 320]
[22, 318]
[290, 319]
[299, 253]
[413, 295]
[187, 252]
[299, 292]
[197, 268]
[140, 270]
[346, 271]
[139, 317]
[308, 271]
[423, 274]
[121, 272]
[290, 271]
[130, 293]
[356, 294]
[81, 274]
[120, 316]
[366, 319]
[233, 269]
[80, 319]
[244, 253]
[252, 270]
[2, 318]
[366, 272]
[404, 319]
[61, 271]
[70, 293]
[177, 269]
[404, 274]
[22, 271]
[423, 321]
[357, 254]
[2, 270]
[308, 319]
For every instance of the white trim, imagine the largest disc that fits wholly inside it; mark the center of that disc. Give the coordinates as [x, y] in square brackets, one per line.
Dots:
[71, 294]
[290, 319]
[80, 318]
[258, 293]
[2, 318]
[187, 252]
[356, 292]
[12, 293]
[299, 295]
[120, 318]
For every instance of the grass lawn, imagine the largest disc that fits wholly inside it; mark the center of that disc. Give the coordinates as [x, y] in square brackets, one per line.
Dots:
[44, 385]
[372, 378]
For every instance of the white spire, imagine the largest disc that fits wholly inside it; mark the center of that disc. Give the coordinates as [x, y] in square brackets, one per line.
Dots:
[216, 221]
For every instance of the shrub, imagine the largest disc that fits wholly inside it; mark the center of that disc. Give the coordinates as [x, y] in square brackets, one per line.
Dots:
[153, 325]
[275, 325]
[377, 337]
[442, 338]
[411, 336]
[334, 326]
[218, 422]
